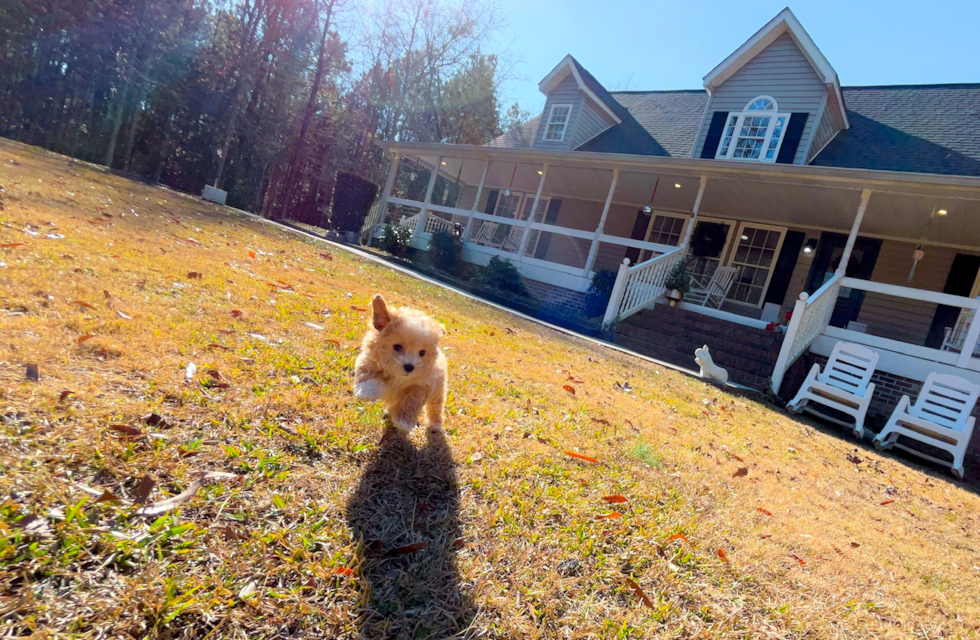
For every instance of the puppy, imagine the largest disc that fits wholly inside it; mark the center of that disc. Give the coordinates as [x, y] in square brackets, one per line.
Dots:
[401, 364]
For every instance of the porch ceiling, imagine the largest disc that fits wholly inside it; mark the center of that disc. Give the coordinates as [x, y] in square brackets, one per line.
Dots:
[901, 204]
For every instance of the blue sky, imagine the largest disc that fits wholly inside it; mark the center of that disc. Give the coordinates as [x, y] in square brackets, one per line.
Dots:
[672, 44]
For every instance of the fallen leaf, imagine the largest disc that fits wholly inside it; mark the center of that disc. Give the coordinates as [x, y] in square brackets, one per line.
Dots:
[359, 309]
[215, 345]
[616, 499]
[326, 256]
[765, 511]
[569, 388]
[853, 458]
[798, 559]
[214, 373]
[721, 554]
[600, 421]
[154, 420]
[407, 549]
[611, 514]
[679, 536]
[639, 592]
[127, 429]
[855, 545]
[476, 457]
[108, 496]
[580, 456]
[33, 373]
[185, 453]
[194, 275]
[64, 395]
[887, 502]
[11, 245]
[335, 343]
[342, 571]
[227, 332]
[742, 471]
[87, 336]
[142, 491]
[248, 590]
[235, 313]
[172, 503]
[108, 296]
[82, 303]
[251, 254]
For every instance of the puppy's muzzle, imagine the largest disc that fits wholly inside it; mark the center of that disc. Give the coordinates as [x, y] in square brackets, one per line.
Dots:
[409, 368]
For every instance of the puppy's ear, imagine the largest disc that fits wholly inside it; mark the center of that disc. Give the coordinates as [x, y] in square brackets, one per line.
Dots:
[381, 315]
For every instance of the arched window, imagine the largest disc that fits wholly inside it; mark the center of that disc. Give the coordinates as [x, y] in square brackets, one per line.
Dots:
[754, 134]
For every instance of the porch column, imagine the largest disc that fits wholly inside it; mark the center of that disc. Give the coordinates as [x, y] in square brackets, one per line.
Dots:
[537, 198]
[476, 201]
[970, 341]
[594, 249]
[694, 214]
[420, 223]
[385, 194]
[849, 246]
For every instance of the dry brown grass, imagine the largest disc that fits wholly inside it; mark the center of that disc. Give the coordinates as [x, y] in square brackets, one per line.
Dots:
[312, 537]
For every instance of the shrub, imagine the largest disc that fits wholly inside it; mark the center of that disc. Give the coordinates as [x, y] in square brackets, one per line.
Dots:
[597, 297]
[395, 239]
[678, 278]
[446, 250]
[502, 275]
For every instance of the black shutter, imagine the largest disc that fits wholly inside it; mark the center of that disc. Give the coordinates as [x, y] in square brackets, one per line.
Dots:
[785, 264]
[549, 218]
[959, 282]
[791, 138]
[639, 233]
[717, 127]
[491, 202]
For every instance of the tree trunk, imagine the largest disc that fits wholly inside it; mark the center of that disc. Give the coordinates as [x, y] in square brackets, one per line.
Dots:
[116, 125]
[226, 145]
[131, 138]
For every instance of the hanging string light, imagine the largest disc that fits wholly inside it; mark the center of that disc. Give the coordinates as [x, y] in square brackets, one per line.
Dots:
[919, 253]
[647, 210]
[507, 190]
[413, 175]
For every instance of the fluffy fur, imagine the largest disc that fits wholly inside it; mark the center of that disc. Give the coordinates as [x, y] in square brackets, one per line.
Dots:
[401, 365]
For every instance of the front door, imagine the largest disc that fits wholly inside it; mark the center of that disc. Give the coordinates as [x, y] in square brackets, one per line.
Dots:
[861, 265]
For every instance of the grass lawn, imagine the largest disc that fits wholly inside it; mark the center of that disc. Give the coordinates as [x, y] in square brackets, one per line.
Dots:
[738, 521]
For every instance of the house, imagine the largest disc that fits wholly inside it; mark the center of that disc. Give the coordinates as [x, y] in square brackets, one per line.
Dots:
[854, 209]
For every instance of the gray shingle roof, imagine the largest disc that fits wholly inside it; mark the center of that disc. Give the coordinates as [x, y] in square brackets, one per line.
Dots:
[656, 123]
[519, 137]
[918, 128]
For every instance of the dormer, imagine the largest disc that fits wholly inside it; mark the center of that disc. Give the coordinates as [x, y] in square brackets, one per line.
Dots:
[577, 108]
[775, 99]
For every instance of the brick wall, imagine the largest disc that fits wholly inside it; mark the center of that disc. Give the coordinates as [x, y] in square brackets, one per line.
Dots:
[556, 300]
[672, 334]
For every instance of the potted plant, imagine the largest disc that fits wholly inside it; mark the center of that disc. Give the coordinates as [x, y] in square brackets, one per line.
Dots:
[678, 282]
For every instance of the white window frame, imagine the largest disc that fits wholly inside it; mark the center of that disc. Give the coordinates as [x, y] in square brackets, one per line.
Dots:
[773, 114]
[551, 116]
[772, 269]
[646, 254]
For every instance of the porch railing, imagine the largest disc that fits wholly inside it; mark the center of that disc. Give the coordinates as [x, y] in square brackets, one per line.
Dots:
[811, 315]
[639, 286]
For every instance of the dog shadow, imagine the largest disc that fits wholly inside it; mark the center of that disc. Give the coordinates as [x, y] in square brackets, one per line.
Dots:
[408, 498]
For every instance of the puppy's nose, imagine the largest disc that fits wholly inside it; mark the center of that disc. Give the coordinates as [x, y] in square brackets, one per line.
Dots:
[409, 368]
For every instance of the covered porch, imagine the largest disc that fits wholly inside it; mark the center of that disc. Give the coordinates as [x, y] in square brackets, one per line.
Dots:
[835, 247]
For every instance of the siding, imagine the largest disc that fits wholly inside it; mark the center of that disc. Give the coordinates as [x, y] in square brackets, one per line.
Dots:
[797, 282]
[591, 123]
[567, 92]
[826, 130]
[781, 71]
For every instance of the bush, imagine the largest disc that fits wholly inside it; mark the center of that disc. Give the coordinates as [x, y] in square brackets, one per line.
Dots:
[678, 278]
[395, 239]
[503, 276]
[597, 297]
[446, 250]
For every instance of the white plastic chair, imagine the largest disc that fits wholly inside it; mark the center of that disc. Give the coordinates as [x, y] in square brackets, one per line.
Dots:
[940, 417]
[954, 336]
[844, 384]
[513, 240]
[485, 235]
[717, 290]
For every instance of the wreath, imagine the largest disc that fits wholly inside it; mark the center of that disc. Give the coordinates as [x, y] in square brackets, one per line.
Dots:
[708, 239]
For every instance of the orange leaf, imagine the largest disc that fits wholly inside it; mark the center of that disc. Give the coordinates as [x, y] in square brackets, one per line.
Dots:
[765, 511]
[569, 388]
[679, 536]
[342, 571]
[65, 394]
[798, 559]
[235, 313]
[336, 343]
[407, 549]
[360, 309]
[616, 499]
[639, 592]
[721, 554]
[11, 245]
[81, 303]
[887, 502]
[87, 336]
[251, 254]
[580, 456]
[611, 514]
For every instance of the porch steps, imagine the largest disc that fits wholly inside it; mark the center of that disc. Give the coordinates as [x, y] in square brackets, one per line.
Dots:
[672, 334]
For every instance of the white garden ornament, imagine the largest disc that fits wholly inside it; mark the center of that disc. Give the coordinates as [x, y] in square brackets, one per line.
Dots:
[709, 370]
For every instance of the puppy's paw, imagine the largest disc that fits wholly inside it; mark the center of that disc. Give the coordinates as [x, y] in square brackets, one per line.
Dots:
[404, 423]
[435, 427]
[370, 389]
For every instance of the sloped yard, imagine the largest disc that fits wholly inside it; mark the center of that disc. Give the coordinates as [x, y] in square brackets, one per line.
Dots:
[273, 509]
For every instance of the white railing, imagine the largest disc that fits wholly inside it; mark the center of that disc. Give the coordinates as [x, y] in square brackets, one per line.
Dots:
[640, 285]
[811, 315]
[435, 223]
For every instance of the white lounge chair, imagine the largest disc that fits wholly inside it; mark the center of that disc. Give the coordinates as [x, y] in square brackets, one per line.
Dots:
[844, 384]
[484, 236]
[717, 290]
[954, 336]
[513, 240]
[940, 417]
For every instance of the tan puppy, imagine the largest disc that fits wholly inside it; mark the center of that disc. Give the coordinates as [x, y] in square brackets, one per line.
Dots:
[400, 364]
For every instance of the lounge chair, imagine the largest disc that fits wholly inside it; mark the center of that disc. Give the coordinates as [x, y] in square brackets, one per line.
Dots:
[717, 290]
[940, 417]
[844, 385]
[485, 235]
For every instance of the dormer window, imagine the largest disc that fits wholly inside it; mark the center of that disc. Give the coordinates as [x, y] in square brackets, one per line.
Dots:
[754, 134]
[557, 122]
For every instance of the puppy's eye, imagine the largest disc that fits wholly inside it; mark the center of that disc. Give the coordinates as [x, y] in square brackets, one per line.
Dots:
[398, 347]
[422, 353]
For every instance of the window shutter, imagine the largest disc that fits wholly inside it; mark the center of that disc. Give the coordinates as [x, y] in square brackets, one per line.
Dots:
[794, 132]
[491, 202]
[549, 218]
[717, 127]
[785, 264]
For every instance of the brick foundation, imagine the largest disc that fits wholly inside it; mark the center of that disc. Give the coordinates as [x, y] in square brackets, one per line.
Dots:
[672, 334]
[556, 300]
